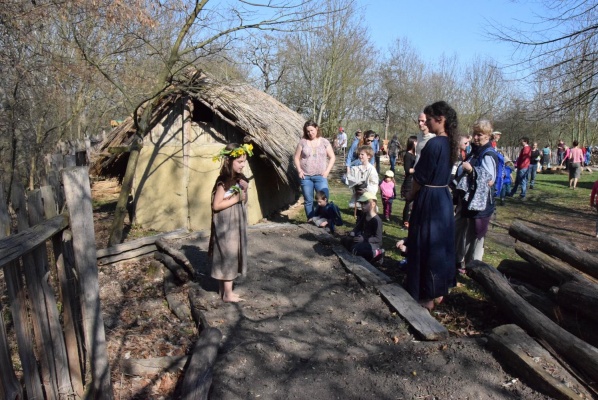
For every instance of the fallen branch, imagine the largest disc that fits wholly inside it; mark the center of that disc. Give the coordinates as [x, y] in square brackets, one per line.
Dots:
[179, 309]
[153, 366]
[178, 256]
[198, 300]
[178, 271]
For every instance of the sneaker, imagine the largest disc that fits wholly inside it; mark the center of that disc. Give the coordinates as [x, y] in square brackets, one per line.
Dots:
[523, 198]
[502, 202]
[379, 258]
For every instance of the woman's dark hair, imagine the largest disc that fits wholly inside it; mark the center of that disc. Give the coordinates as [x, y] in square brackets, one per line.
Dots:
[411, 141]
[227, 175]
[451, 124]
[307, 125]
[395, 137]
[366, 134]
[575, 143]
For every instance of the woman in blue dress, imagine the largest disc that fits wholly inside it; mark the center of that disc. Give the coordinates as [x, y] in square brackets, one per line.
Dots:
[431, 239]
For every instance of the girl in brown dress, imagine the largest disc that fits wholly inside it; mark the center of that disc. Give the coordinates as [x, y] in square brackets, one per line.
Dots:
[228, 237]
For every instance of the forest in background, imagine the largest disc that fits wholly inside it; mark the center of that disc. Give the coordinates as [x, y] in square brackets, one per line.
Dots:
[68, 68]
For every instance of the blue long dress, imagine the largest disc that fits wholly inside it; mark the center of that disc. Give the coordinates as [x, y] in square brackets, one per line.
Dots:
[431, 268]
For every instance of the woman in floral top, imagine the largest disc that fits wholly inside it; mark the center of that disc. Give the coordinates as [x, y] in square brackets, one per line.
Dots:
[314, 158]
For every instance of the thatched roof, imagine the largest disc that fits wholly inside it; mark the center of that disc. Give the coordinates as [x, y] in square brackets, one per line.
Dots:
[271, 126]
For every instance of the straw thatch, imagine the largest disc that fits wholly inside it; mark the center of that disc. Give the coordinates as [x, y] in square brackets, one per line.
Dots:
[273, 128]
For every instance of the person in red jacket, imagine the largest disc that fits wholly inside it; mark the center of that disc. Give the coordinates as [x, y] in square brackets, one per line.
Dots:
[522, 165]
[593, 202]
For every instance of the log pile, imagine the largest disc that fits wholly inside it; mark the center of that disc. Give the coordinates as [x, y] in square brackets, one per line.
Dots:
[179, 276]
[552, 296]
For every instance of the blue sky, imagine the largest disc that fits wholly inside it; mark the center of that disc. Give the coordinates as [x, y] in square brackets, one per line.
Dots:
[451, 26]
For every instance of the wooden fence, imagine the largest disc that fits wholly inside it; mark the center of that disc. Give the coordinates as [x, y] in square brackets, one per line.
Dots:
[51, 279]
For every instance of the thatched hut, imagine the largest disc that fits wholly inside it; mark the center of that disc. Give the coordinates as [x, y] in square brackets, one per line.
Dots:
[175, 172]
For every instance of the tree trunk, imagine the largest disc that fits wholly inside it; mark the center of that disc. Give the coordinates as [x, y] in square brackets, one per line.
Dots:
[578, 353]
[549, 266]
[116, 231]
[580, 297]
[575, 257]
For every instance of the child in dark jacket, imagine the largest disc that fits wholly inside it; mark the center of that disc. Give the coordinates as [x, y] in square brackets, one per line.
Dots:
[506, 182]
[366, 238]
[327, 213]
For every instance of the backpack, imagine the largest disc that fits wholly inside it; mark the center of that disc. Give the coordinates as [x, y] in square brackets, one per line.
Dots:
[500, 168]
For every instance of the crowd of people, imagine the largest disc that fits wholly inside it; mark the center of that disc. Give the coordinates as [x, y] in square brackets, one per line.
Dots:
[451, 186]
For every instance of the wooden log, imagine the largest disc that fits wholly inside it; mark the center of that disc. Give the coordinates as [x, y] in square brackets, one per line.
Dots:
[418, 317]
[78, 199]
[557, 270]
[198, 375]
[169, 262]
[179, 309]
[582, 297]
[153, 366]
[529, 360]
[577, 352]
[199, 302]
[526, 272]
[178, 256]
[579, 259]
[581, 327]
[18, 302]
[54, 344]
[147, 242]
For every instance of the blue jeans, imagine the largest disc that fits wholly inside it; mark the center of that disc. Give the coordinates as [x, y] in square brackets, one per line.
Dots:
[393, 161]
[531, 174]
[308, 185]
[520, 180]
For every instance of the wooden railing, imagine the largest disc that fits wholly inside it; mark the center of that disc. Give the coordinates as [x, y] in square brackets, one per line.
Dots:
[52, 287]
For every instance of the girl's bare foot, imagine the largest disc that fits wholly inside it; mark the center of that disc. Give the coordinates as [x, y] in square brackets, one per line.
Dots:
[232, 298]
[429, 304]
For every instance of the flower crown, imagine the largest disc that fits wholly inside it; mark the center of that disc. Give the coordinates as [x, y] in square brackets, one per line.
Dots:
[234, 153]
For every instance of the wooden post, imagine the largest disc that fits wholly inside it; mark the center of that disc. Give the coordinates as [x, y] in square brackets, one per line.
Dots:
[56, 349]
[18, 308]
[78, 199]
[67, 293]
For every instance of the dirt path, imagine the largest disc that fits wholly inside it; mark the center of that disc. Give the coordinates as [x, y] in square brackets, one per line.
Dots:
[308, 330]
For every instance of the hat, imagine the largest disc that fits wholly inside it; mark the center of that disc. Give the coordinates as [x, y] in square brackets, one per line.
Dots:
[390, 173]
[341, 129]
[496, 133]
[366, 197]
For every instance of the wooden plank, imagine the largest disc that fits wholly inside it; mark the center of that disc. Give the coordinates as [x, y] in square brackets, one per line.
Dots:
[141, 242]
[417, 316]
[553, 246]
[153, 366]
[577, 352]
[534, 364]
[18, 306]
[68, 292]
[78, 198]
[13, 247]
[56, 350]
[366, 273]
[9, 385]
[134, 254]
[198, 375]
